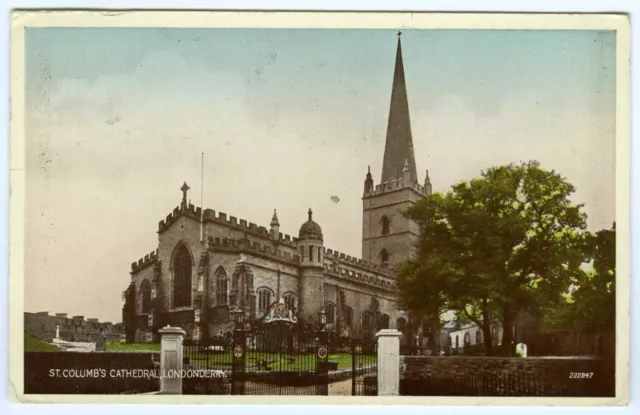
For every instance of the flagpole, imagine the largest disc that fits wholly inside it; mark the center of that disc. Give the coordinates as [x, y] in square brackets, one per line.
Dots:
[201, 196]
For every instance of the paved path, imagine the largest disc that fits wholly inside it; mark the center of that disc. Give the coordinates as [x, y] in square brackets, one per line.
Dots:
[340, 388]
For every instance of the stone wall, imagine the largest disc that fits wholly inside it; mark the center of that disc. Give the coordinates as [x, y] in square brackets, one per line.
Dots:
[499, 376]
[75, 329]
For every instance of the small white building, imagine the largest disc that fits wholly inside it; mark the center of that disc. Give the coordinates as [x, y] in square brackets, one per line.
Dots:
[469, 335]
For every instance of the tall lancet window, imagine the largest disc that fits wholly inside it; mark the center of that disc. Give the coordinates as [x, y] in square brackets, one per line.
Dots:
[384, 257]
[385, 225]
[222, 286]
[182, 266]
[264, 299]
[145, 296]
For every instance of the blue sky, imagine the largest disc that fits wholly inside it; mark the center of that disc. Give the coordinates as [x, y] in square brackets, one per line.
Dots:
[117, 119]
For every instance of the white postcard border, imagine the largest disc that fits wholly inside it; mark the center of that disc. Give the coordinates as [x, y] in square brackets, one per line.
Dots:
[268, 19]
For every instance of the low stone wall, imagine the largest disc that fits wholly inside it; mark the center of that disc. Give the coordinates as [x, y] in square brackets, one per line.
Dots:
[503, 376]
[91, 372]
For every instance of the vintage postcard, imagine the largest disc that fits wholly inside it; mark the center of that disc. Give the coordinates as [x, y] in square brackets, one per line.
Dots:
[320, 208]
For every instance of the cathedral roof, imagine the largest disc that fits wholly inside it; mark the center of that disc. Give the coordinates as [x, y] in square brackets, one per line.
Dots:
[310, 229]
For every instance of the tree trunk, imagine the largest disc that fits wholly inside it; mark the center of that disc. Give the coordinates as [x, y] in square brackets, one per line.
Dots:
[436, 338]
[508, 317]
[486, 329]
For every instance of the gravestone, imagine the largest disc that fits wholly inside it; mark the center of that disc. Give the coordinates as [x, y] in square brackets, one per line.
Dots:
[521, 350]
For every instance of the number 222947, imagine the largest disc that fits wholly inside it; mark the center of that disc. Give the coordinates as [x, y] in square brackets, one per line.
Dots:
[580, 375]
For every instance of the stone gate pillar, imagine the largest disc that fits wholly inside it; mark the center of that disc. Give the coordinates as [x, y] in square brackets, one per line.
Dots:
[388, 362]
[171, 360]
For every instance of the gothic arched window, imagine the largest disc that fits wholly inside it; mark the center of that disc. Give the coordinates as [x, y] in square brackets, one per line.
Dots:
[467, 339]
[385, 225]
[348, 315]
[384, 257]
[222, 286]
[401, 324]
[182, 264]
[331, 313]
[145, 296]
[384, 321]
[478, 337]
[367, 320]
[264, 299]
[290, 300]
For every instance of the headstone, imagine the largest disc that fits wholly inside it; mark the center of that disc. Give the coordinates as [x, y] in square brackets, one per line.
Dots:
[521, 350]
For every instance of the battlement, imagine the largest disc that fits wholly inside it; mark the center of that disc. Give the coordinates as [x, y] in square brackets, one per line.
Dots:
[210, 215]
[348, 262]
[144, 261]
[360, 277]
[394, 185]
[244, 245]
[359, 263]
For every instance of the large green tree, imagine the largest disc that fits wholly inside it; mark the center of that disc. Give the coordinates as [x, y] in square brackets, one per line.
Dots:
[491, 246]
[590, 304]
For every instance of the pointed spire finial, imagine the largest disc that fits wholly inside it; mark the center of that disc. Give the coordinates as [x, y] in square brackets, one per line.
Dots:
[310, 214]
[274, 219]
[399, 33]
[368, 169]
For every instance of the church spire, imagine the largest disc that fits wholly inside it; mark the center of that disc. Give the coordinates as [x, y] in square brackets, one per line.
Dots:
[398, 149]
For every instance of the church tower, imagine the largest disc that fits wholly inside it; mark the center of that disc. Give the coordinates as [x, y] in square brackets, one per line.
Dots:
[388, 237]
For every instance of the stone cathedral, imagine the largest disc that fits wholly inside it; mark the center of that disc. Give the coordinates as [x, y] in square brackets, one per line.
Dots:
[208, 263]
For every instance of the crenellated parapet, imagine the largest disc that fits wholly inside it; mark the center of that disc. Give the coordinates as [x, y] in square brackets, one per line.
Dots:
[255, 248]
[211, 216]
[337, 271]
[144, 261]
[392, 186]
[341, 265]
[358, 263]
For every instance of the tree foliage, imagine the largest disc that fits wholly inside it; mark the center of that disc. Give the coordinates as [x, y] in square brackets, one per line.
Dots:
[508, 240]
[590, 305]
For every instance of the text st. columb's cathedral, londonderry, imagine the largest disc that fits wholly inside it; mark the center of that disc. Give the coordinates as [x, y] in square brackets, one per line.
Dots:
[193, 281]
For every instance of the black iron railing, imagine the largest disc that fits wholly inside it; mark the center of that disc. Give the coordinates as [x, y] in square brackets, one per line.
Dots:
[207, 367]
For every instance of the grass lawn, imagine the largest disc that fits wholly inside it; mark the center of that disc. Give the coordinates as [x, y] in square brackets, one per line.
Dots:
[144, 347]
[274, 361]
[34, 344]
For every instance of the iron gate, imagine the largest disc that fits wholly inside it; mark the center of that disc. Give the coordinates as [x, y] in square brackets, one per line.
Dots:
[275, 355]
[207, 366]
[364, 369]
[281, 361]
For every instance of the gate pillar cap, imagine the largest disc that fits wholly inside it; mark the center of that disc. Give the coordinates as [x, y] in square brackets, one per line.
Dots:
[388, 333]
[172, 330]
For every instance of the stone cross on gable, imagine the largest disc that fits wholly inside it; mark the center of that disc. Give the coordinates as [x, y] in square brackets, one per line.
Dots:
[185, 188]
